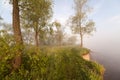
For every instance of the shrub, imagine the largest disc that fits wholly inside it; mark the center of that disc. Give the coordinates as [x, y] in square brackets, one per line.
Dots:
[57, 63]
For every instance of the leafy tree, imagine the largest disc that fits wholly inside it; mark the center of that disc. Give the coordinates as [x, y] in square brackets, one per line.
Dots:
[6, 33]
[28, 37]
[53, 34]
[36, 14]
[48, 38]
[79, 23]
[72, 40]
[58, 33]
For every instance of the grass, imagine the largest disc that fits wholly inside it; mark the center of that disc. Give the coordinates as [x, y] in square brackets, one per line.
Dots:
[52, 63]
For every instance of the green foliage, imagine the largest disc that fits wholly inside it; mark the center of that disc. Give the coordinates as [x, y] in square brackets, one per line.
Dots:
[63, 63]
[35, 15]
[79, 22]
[45, 63]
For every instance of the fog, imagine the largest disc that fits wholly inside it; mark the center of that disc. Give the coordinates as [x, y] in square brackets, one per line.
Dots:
[105, 46]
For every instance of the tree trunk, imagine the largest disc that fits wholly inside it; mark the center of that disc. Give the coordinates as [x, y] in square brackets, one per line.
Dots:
[36, 39]
[36, 35]
[81, 35]
[17, 34]
[81, 40]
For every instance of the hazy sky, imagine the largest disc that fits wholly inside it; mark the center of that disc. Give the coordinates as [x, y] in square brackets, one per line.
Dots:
[106, 14]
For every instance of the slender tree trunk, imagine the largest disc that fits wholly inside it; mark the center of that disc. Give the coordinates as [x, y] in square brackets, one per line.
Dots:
[81, 36]
[81, 40]
[17, 35]
[36, 35]
[36, 39]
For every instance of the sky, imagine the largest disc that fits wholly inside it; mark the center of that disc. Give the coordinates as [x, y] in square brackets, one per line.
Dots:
[6, 11]
[105, 14]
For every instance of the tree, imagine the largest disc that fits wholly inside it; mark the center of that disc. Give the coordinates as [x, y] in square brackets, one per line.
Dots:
[6, 32]
[36, 14]
[28, 37]
[17, 34]
[72, 40]
[59, 34]
[16, 23]
[79, 23]
[48, 36]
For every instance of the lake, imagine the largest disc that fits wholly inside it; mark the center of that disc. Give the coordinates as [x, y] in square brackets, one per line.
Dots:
[105, 47]
[109, 57]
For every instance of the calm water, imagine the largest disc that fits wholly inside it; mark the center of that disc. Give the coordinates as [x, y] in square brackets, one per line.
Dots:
[105, 46]
[110, 58]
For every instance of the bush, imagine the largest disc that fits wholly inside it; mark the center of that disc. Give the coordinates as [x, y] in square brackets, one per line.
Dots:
[49, 64]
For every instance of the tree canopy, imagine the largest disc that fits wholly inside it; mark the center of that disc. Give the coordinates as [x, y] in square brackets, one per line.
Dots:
[79, 22]
[36, 14]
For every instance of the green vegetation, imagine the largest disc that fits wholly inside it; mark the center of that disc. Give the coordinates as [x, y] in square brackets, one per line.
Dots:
[79, 22]
[55, 63]
[33, 47]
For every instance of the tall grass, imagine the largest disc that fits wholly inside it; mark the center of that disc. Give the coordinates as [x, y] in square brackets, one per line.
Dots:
[51, 63]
